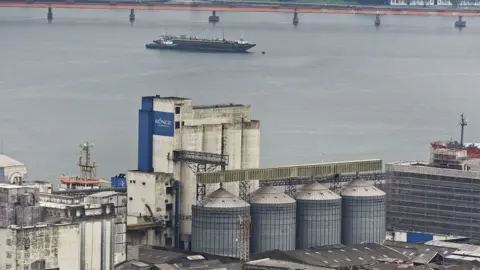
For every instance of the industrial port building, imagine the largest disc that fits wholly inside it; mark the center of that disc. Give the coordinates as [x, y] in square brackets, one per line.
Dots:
[206, 159]
[441, 196]
[178, 140]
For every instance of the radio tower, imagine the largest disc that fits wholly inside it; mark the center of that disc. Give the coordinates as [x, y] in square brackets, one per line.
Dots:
[463, 123]
[87, 166]
[244, 240]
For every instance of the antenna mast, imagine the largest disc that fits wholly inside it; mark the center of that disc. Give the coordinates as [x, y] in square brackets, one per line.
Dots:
[463, 123]
[87, 166]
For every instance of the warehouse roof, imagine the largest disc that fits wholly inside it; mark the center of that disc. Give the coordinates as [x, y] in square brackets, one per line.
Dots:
[208, 265]
[279, 264]
[466, 248]
[158, 256]
[337, 256]
[414, 249]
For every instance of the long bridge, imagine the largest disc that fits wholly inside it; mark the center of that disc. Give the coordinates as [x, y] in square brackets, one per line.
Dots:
[226, 6]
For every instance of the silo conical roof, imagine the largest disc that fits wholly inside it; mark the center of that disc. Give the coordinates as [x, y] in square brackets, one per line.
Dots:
[221, 198]
[361, 188]
[316, 191]
[270, 195]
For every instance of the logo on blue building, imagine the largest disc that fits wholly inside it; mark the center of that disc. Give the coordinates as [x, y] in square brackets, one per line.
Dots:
[163, 124]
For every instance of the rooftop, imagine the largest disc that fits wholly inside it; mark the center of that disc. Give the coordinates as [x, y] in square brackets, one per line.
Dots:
[414, 249]
[218, 106]
[421, 167]
[473, 250]
[169, 98]
[221, 198]
[6, 161]
[336, 256]
[9, 186]
[104, 194]
[283, 264]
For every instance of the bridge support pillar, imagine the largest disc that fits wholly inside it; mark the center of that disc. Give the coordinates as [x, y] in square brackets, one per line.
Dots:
[213, 18]
[132, 15]
[377, 21]
[460, 23]
[50, 14]
[295, 17]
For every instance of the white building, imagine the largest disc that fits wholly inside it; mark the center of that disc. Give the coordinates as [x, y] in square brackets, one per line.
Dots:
[119, 201]
[12, 171]
[168, 124]
[65, 234]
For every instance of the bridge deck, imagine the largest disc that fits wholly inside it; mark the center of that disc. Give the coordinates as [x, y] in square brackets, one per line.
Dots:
[234, 7]
[287, 172]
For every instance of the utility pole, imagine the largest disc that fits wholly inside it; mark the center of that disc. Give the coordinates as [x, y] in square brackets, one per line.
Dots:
[463, 123]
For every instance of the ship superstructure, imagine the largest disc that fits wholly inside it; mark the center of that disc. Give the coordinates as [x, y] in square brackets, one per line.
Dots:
[87, 178]
[472, 149]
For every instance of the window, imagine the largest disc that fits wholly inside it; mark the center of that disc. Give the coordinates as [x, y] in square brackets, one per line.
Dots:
[177, 124]
[177, 110]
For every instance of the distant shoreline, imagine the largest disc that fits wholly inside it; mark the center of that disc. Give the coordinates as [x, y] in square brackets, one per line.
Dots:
[252, 7]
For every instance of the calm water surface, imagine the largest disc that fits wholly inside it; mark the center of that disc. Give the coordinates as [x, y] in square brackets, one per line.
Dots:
[334, 88]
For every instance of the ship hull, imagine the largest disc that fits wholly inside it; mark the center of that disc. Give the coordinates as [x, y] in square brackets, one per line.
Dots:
[227, 48]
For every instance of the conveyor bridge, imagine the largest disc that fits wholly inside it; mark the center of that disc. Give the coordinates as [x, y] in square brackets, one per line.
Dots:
[289, 172]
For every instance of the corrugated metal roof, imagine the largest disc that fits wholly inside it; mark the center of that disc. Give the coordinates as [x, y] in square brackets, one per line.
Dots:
[316, 191]
[221, 198]
[336, 256]
[472, 249]
[360, 187]
[283, 264]
[424, 257]
[270, 195]
[6, 161]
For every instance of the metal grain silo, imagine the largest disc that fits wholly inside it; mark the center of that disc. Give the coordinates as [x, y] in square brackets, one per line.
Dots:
[319, 216]
[363, 213]
[216, 224]
[273, 220]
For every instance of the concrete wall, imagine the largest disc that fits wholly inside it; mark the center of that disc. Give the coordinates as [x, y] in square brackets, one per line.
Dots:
[97, 239]
[205, 115]
[146, 188]
[153, 193]
[9, 196]
[251, 149]
[57, 245]
[192, 139]
[119, 200]
[69, 247]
